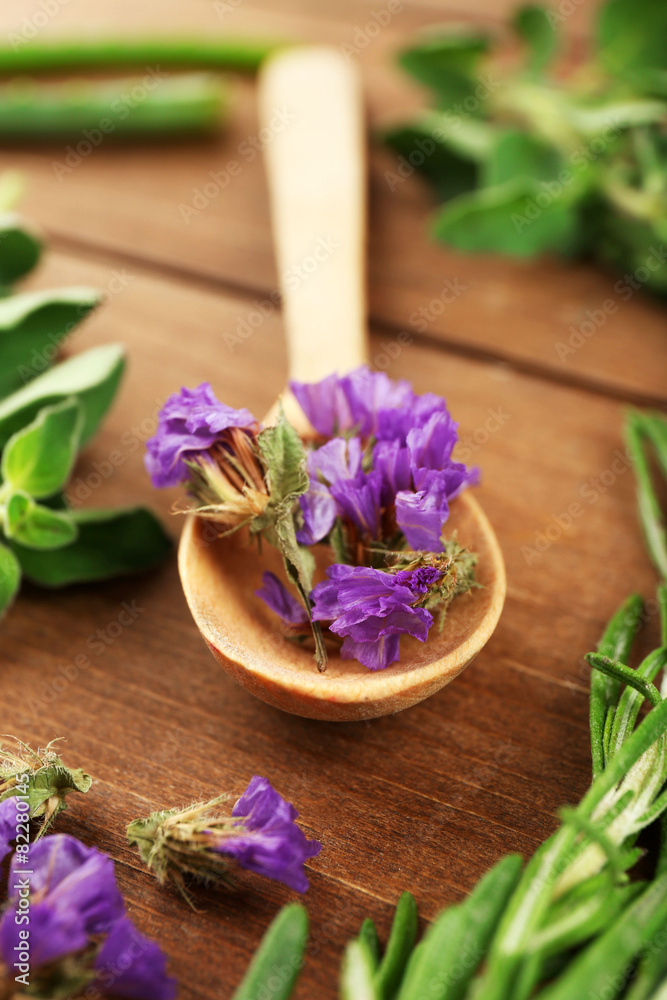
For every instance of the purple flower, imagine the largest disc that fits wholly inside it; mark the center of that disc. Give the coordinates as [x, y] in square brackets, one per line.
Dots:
[74, 900]
[359, 500]
[189, 423]
[419, 580]
[421, 515]
[7, 825]
[351, 402]
[129, 965]
[431, 444]
[371, 609]
[269, 842]
[276, 595]
[335, 461]
[392, 460]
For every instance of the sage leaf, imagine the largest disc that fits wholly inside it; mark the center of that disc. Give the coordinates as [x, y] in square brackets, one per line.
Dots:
[357, 981]
[10, 577]
[517, 154]
[39, 458]
[498, 220]
[109, 543]
[92, 377]
[37, 527]
[20, 248]
[448, 63]
[33, 325]
[631, 36]
[282, 947]
[533, 26]
[449, 171]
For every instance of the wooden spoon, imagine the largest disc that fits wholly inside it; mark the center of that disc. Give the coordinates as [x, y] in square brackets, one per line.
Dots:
[311, 104]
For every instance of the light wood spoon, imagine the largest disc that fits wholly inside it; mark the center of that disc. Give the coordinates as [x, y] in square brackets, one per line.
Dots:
[316, 171]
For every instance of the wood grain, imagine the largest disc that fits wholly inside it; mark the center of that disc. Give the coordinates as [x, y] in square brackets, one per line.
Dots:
[424, 800]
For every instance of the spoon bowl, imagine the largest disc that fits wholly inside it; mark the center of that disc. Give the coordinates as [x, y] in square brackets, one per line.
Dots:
[220, 576]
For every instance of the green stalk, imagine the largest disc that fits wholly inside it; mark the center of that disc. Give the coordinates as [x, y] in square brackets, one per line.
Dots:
[77, 55]
[148, 106]
[650, 512]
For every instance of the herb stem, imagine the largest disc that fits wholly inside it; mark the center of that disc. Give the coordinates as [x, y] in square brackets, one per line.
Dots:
[95, 55]
[127, 107]
[650, 511]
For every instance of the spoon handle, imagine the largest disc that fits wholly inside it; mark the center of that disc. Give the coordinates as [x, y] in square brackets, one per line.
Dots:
[311, 111]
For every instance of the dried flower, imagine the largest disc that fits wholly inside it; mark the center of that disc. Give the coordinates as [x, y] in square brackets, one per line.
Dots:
[259, 833]
[74, 905]
[190, 422]
[374, 486]
[49, 781]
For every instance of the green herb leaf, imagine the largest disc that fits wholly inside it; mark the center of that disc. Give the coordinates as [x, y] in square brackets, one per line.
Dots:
[10, 577]
[92, 377]
[283, 948]
[369, 936]
[37, 527]
[615, 643]
[356, 980]
[109, 543]
[39, 458]
[449, 172]
[399, 947]
[517, 154]
[32, 326]
[632, 36]
[608, 959]
[448, 62]
[532, 24]
[507, 219]
[20, 248]
[285, 458]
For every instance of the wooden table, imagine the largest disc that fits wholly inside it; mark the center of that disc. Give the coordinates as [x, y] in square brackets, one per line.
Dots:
[425, 800]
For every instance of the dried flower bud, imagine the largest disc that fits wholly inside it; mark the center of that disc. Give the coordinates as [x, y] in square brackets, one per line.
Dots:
[200, 841]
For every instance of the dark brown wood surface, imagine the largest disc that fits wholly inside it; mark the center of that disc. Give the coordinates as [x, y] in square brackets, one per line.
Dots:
[424, 800]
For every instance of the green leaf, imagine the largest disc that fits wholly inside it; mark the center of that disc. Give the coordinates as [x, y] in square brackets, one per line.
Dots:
[518, 154]
[507, 219]
[448, 172]
[110, 543]
[37, 527]
[607, 960]
[285, 458]
[20, 248]
[534, 27]
[631, 36]
[369, 935]
[39, 458]
[92, 377]
[399, 947]
[10, 577]
[616, 642]
[357, 981]
[32, 326]
[282, 948]
[55, 781]
[448, 63]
